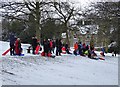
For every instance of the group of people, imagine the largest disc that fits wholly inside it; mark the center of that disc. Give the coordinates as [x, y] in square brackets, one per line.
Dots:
[49, 46]
[15, 45]
[84, 50]
[34, 44]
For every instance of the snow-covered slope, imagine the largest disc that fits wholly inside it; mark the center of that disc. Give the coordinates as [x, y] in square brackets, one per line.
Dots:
[63, 70]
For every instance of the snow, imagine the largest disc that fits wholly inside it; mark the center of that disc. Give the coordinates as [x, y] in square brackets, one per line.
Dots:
[61, 70]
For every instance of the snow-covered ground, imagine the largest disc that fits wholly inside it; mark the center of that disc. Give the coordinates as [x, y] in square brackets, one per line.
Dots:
[61, 70]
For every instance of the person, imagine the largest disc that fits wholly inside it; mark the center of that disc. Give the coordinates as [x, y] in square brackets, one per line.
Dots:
[84, 47]
[51, 45]
[58, 47]
[67, 48]
[46, 47]
[87, 47]
[34, 44]
[91, 47]
[76, 48]
[28, 50]
[12, 44]
[80, 48]
[86, 53]
[103, 51]
[56, 44]
[53, 48]
[93, 54]
[18, 49]
[115, 52]
[89, 53]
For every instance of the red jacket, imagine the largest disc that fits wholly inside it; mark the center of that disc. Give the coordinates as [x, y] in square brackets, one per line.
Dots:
[76, 46]
[51, 44]
[17, 47]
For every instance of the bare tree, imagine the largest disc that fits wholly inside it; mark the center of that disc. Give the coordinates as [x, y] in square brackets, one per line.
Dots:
[22, 11]
[105, 15]
[39, 10]
[66, 12]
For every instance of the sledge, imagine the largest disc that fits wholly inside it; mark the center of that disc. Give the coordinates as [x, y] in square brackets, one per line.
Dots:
[95, 58]
[98, 58]
[22, 54]
[101, 58]
[63, 50]
[49, 55]
[52, 56]
[6, 52]
[19, 55]
[37, 49]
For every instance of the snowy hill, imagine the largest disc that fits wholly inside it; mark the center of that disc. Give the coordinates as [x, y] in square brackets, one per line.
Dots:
[62, 70]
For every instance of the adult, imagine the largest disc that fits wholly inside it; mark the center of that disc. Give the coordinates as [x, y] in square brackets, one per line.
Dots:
[76, 48]
[103, 51]
[34, 44]
[46, 47]
[67, 49]
[51, 45]
[80, 48]
[56, 44]
[12, 44]
[84, 47]
[53, 48]
[115, 52]
[58, 47]
[18, 49]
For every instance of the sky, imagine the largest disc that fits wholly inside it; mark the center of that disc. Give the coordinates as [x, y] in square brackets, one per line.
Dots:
[80, 3]
[87, 2]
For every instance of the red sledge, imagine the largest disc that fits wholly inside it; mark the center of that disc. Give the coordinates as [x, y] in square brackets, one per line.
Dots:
[37, 49]
[48, 55]
[101, 58]
[6, 52]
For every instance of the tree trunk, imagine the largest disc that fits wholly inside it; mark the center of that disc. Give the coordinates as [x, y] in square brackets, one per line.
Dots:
[67, 38]
[38, 32]
[67, 35]
[38, 29]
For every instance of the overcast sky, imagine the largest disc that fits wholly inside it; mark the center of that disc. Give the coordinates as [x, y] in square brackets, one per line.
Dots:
[87, 2]
[82, 3]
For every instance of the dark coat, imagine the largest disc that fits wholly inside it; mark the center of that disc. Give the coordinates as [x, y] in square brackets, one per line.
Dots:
[53, 44]
[60, 46]
[12, 39]
[66, 46]
[34, 42]
[46, 46]
[56, 43]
